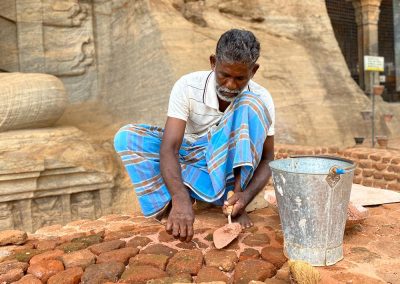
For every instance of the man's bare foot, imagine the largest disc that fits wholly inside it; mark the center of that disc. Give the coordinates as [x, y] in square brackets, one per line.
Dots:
[244, 220]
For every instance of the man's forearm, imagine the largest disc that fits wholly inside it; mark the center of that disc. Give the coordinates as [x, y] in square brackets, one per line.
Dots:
[259, 180]
[171, 173]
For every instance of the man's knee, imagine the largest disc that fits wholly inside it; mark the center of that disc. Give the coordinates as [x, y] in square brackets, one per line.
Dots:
[121, 140]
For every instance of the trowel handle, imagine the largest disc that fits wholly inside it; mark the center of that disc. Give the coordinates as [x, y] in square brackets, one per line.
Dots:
[230, 208]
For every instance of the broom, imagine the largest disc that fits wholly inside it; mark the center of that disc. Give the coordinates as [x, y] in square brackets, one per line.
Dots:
[302, 272]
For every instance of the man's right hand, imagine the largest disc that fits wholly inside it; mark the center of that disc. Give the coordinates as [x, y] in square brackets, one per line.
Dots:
[180, 219]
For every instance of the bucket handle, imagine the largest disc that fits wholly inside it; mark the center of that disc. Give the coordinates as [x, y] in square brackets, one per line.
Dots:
[334, 174]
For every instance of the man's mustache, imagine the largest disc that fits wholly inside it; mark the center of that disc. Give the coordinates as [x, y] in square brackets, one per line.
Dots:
[226, 90]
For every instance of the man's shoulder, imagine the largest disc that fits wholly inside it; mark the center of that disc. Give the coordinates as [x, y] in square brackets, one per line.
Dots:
[259, 90]
[195, 79]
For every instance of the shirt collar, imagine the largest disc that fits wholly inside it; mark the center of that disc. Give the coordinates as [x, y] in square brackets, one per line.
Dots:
[210, 93]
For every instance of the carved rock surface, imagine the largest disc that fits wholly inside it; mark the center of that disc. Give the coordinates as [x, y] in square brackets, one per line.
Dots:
[30, 100]
[53, 176]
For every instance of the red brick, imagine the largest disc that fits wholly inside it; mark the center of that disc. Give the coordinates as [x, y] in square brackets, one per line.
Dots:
[159, 249]
[70, 276]
[378, 175]
[81, 258]
[317, 151]
[184, 245]
[110, 236]
[380, 166]
[390, 176]
[47, 245]
[257, 240]
[180, 278]
[53, 254]
[199, 243]
[394, 169]
[357, 171]
[12, 264]
[99, 273]
[395, 161]
[386, 159]
[249, 253]
[210, 274]
[300, 152]
[367, 172]
[157, 260]
[28, 279]
[367, 182]
[12, 237]
[120, 255]
[324, 150]
[186, 261]
[106, 246]
[285, 155]
[274, 256]
[12, 275]
[394, 186]
[375, 156]
[164, 237]
[333, 150]
[224, 260]
[140, 274]
[253, 269]
[25, 255]
[138, 242]
[365, 164]
[45, 269]
[357, 179]
[380, 184]
[347, 153]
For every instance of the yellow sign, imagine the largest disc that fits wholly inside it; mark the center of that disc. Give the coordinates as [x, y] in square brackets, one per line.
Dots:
[374, 63]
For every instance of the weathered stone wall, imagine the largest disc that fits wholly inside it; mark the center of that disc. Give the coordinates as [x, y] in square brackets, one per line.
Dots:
[126, 55]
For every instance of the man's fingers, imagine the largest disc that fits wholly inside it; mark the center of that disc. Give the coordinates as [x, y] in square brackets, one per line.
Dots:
[182, 232]
[190, 233]
[168, 226]
[175, 230]
[237, 208]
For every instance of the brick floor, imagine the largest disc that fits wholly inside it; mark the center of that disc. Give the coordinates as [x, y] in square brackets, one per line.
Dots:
[371, 251]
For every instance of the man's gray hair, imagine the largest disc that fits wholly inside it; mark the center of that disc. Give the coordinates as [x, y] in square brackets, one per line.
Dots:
[238, 46]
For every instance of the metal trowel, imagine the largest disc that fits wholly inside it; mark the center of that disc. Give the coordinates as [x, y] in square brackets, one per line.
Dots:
[226, 234]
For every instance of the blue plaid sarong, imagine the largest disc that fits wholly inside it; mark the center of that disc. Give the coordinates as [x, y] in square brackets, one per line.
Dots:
[207, 164]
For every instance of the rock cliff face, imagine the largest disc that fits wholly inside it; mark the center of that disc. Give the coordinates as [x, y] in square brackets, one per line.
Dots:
[153, 43]
[126, 55]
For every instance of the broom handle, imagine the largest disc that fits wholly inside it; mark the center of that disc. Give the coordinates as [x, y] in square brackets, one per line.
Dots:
[230, 208]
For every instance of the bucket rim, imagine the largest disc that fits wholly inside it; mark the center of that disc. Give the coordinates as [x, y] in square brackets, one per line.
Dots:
[350, 168]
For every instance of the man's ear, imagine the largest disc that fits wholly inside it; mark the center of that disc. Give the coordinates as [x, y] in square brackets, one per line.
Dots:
[212, 61]
[254, 70]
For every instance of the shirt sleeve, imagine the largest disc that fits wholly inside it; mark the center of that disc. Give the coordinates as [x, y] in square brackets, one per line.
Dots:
[271, 110]
[178, 106]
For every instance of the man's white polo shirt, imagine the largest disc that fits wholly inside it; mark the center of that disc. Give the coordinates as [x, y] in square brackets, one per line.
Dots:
[194, 100]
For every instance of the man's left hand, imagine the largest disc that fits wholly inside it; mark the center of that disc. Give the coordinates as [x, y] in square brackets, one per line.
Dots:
[239, 201]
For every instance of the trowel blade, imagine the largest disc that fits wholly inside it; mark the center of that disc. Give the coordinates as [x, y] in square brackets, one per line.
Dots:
[226, 234]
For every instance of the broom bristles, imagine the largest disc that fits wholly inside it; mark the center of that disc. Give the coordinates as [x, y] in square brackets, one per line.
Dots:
[303, 273]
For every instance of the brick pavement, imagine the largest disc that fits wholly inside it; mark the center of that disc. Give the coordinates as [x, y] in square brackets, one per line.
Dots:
[131, 249]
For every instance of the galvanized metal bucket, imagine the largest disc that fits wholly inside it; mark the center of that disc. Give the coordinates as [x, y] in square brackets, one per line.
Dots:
[313, 193]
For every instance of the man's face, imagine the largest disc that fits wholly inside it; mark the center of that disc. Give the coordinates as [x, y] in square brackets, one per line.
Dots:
[231, 78]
